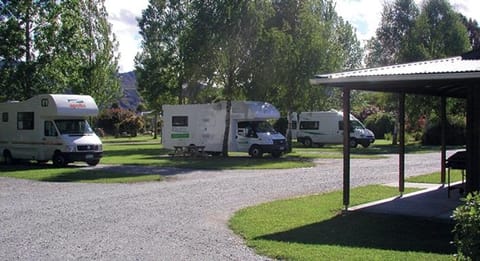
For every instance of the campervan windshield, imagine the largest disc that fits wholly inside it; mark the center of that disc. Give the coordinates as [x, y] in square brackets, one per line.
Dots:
[357, 125]
[73, 127]
[263, 127]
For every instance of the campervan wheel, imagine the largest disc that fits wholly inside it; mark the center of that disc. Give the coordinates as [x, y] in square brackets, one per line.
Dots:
[7, 158]
[93, 162]
[256, 151]
[353, 143]
[308, 142]
[59, 160]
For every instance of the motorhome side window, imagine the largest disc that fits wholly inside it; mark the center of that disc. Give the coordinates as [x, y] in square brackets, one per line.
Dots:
[50, 129]
[5, 116]
[309, 125]
[180, 121]
[25, 120]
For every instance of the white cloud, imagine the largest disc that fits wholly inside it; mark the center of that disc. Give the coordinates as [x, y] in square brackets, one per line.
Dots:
[123, 16]
[364, 15]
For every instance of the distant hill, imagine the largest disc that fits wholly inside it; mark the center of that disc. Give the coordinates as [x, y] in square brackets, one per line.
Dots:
[131, 97]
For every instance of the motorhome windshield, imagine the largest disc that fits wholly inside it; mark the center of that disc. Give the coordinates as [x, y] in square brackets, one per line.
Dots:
[262, 127]
[73, 127]
[357, 125]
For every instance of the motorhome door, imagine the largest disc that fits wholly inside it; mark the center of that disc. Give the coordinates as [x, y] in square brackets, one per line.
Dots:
[51, 140]
[245, 134]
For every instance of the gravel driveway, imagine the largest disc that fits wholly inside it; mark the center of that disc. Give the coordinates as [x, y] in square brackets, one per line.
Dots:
[182, 218]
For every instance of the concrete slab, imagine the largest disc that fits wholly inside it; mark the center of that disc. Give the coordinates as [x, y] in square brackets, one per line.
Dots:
[431, 202]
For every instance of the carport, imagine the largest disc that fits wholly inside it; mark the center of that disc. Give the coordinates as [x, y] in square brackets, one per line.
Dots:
[455, 77]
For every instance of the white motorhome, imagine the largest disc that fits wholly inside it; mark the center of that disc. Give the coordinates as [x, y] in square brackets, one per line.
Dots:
[326, 127]
[204, 125]
[50, 127]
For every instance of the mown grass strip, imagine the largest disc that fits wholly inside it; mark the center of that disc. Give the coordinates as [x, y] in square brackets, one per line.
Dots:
[434, 178]
[312, 228]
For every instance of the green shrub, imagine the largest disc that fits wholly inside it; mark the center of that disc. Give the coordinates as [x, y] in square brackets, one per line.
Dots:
[455, 134]
[380, 123]
[467, 228]
[116, 121]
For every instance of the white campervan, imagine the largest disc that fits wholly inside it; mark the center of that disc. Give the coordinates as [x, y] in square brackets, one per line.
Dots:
[326, 127]
[204, 125]
[50, 127]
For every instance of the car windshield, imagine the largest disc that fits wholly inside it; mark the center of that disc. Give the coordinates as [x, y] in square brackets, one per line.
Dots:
[73, 127]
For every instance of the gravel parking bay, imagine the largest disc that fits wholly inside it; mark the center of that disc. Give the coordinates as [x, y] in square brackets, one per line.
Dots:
[182, 218]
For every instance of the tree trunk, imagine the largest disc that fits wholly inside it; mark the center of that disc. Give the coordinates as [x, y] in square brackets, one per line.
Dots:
[155, 123]
[289, 131]
[227, 128]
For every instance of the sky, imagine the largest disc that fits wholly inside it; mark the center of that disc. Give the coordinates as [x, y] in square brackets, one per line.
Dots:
[364, 15]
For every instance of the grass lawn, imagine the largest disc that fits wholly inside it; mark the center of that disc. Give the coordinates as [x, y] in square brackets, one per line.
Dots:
[153, 154]
[313, 228]
[434, 178]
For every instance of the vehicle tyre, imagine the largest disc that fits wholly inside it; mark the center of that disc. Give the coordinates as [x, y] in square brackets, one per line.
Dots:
[353, 143]
[59, 160]
[276, 154]
[365, 144]
[307, 142]
[93, 162]
[255, 151]
[7, 158]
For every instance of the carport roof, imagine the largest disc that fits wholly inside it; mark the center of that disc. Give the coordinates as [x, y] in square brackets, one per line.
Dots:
[448, 77]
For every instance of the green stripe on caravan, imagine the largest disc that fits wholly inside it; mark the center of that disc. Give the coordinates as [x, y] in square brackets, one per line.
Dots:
[180, 135]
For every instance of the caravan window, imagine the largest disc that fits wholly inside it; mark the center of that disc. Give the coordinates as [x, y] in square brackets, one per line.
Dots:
[50, 129]
[180, 121]
[25, 120]
[309, 125]
[5, 117]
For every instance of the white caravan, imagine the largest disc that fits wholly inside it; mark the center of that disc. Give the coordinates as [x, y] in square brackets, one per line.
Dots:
[204, 125]
[49, 127]
[326, 127]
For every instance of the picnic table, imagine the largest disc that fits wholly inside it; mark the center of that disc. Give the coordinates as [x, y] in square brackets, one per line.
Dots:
[189, 151]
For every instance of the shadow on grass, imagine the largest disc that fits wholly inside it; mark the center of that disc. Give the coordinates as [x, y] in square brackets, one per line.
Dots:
[238, 162]
[375, 231]
[76, 173]
[92, 175]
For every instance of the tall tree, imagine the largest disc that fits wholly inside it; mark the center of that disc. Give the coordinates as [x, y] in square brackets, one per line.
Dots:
[438, 33]
[18, 20]
[59, 44]
[300, 39]
[160, 66]
[231, 28]
[101, 67]
[473, 31]
[398, 19]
